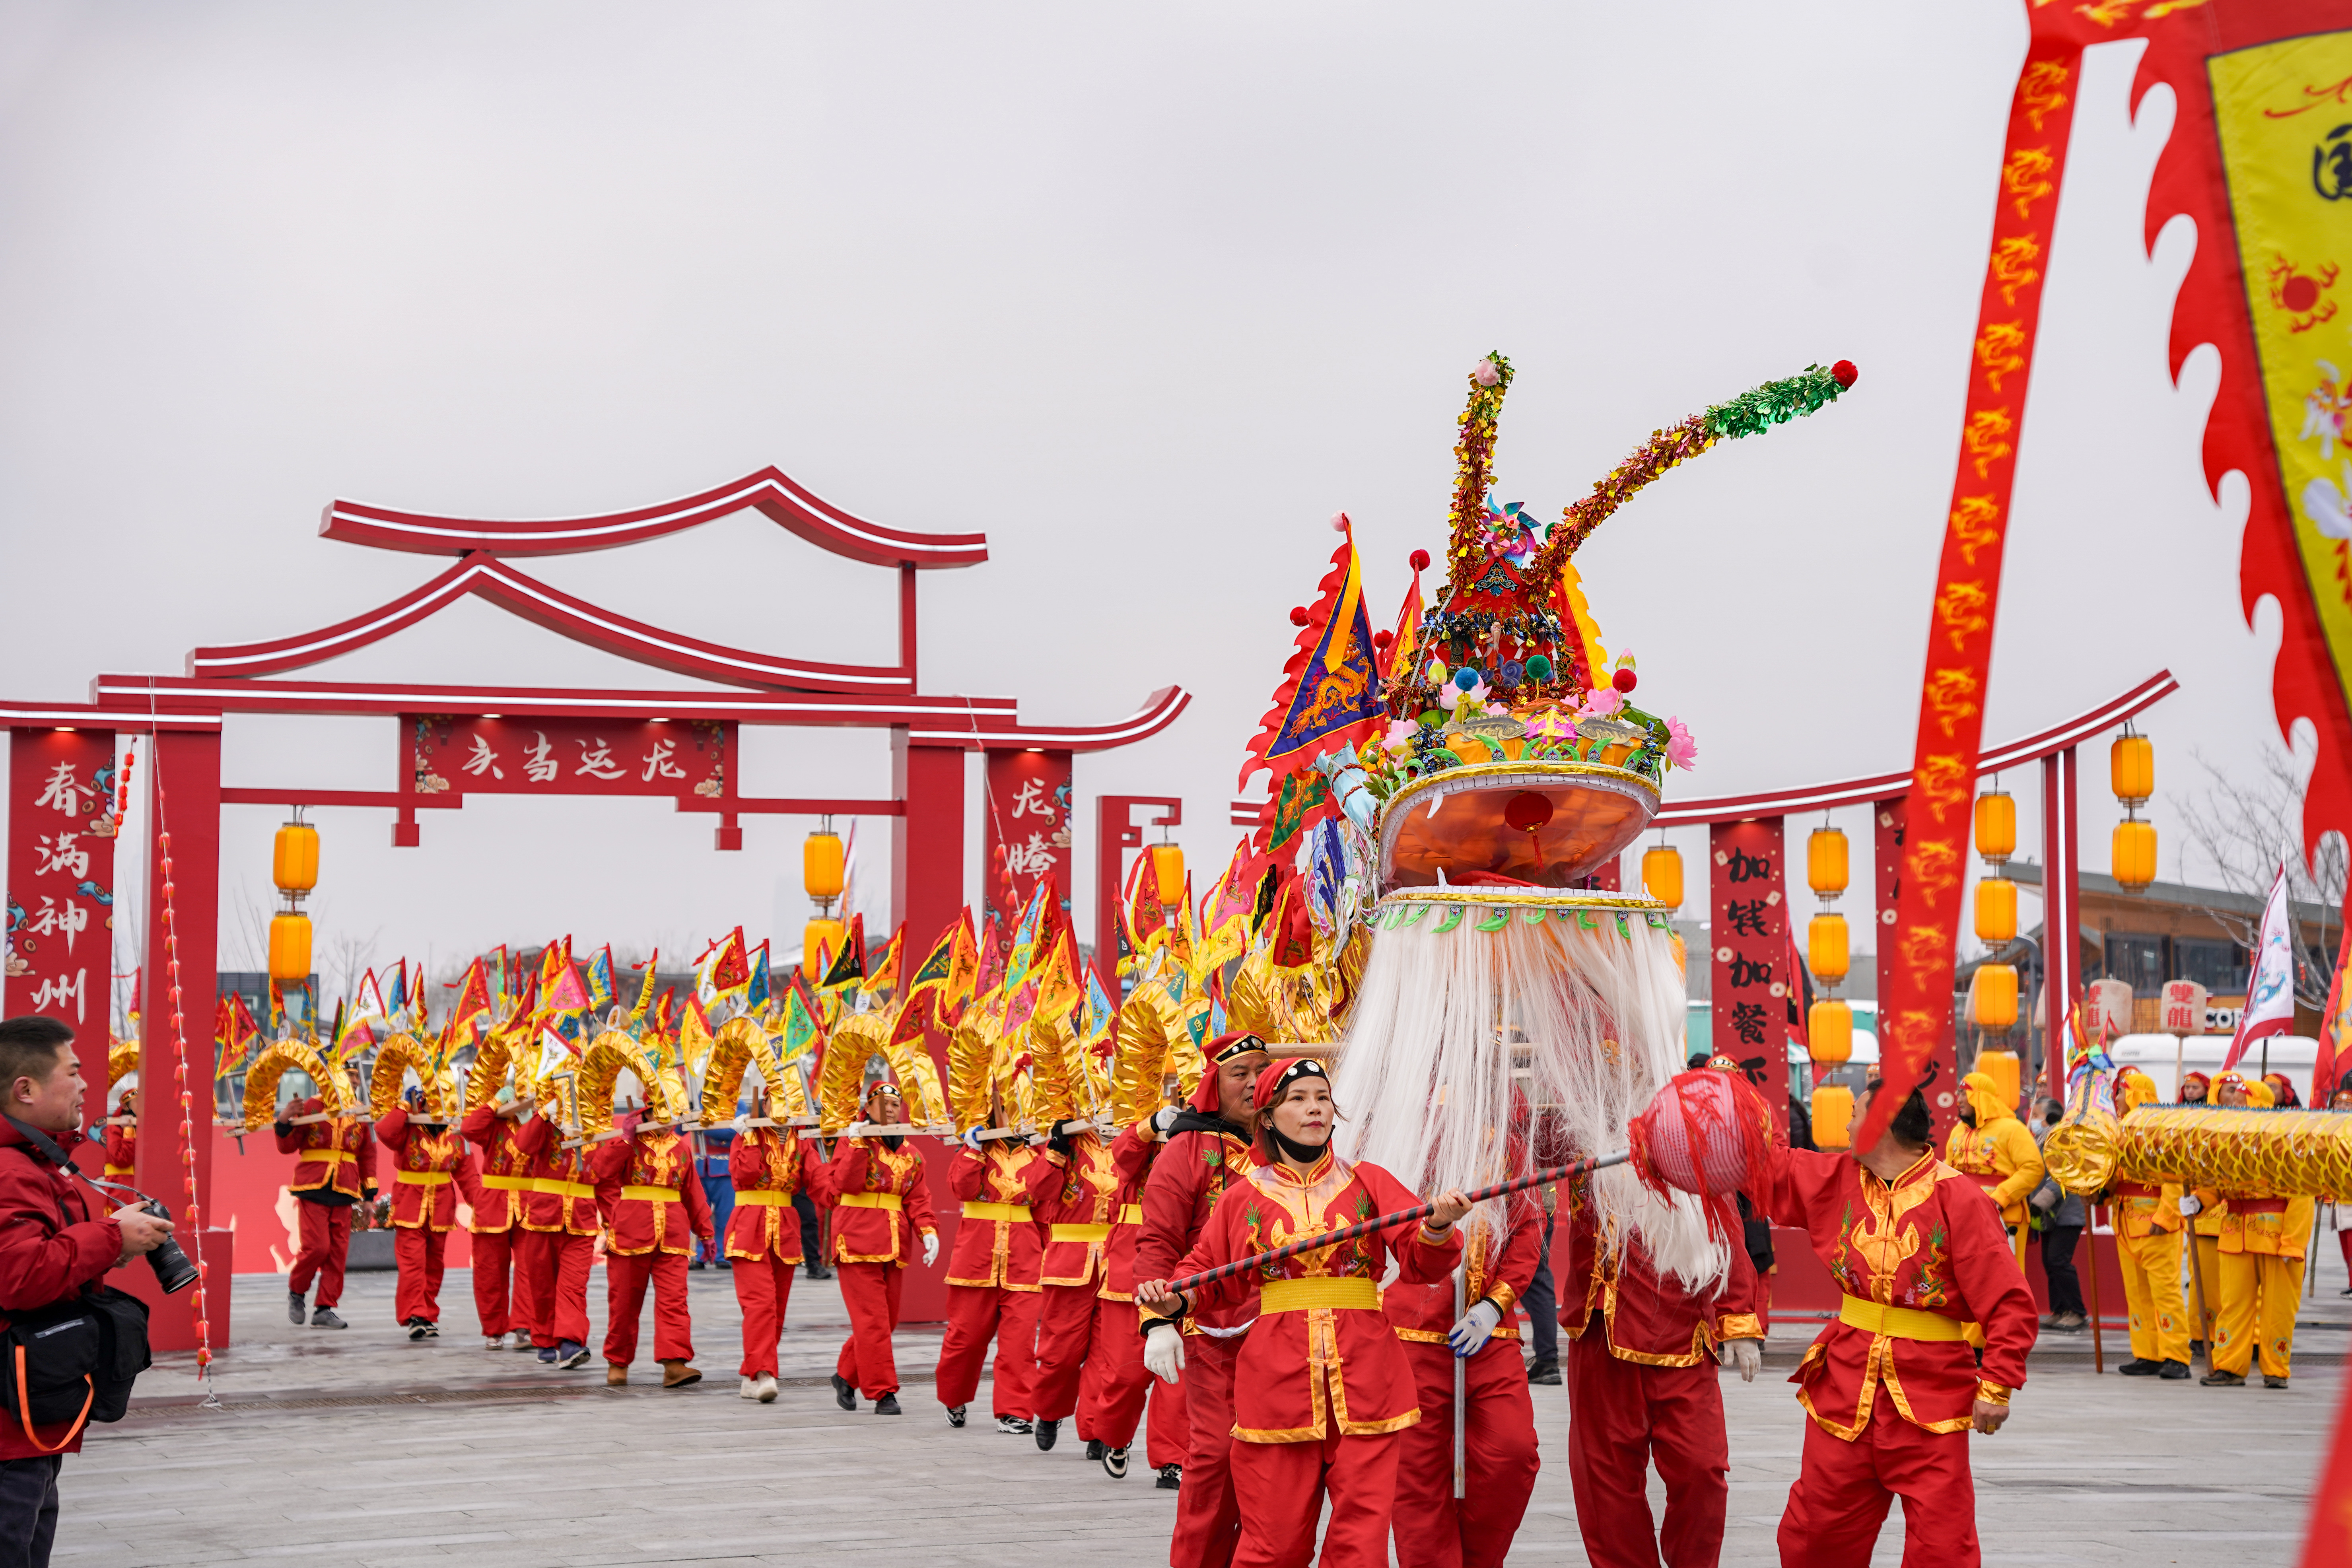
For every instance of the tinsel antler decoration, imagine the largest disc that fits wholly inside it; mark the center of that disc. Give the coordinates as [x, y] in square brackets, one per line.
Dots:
[1473, 468]
[1750, 413]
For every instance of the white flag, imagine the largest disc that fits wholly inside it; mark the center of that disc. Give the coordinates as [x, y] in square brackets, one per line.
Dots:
[2270, 998]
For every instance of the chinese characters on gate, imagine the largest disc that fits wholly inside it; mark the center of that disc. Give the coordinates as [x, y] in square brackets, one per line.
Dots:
[61, 833]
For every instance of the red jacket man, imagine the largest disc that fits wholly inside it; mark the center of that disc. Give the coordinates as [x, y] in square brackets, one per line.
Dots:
[882, 1203]
[424, 1206]
[1207, 1151]
[499, 1282]
[653, 1210]
[556, 1244]
[1089, 1347]
[1641, 1387]
[333, 1169]
[1431, 1530]
[992, 1289]
[767, 1165]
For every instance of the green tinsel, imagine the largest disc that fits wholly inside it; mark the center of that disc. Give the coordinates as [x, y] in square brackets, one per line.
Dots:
[1774, 403]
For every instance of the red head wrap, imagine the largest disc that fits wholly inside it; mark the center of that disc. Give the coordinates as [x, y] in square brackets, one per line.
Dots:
[1219, 1051]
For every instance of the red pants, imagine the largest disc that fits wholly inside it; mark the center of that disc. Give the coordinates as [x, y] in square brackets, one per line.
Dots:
[870, 1292]
[1433, 1528]
[1843, 1489]
[1623, 1416]
[1208, 1520]
[418, 1253]
[2344, 1240]
[763, 1287]
[625, 1297]
[1077, 1329]
[494, 1250]
[551, 1281]
[326, 1241]
[1167, 1434]
[977, 1314]
[1280, 1486]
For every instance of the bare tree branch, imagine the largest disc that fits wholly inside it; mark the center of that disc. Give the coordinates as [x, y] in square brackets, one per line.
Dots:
[2248, 823]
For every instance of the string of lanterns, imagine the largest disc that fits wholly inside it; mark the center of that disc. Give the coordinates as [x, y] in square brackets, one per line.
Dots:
[1993, 991]
[2131, 772]
[824, 872]
[294, 867]
[1829, 1026]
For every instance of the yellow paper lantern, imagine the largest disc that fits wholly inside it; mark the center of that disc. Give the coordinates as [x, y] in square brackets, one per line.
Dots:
[1827, 949]
[1832, 1115]
[2132, 854]
[822, 867]
[1996, 910]
[1661, 874]
[1168, 872]
[1992, 996]
[2003, 1068]
[2131, 769]
[1829, 1028]
[819, 936]
[294, 859]
[1996, 826]
[1825, 861]
[289, 947]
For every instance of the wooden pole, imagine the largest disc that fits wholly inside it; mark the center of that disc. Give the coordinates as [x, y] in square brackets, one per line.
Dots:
[2098, 1346]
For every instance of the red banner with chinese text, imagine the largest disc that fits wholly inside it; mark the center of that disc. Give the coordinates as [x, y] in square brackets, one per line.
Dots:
[1027, 834]
[679, 758]
[60, 903]
[1747, 939]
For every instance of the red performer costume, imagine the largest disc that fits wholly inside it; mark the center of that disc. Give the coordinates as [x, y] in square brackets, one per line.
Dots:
[1433, 1530]
[992, 1291]
[424, 1207]
[334, 1168]
[653, 1210]
[122, 1140]
[1892, 1387]
[882, 1202]
[1321, 1387]
[767, 1167]
[1641, 1389]
[556, 1243]
[504, 1178]
[1084, 1192]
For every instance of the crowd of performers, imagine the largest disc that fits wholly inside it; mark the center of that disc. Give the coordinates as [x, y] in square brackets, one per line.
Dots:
[1282, 1385]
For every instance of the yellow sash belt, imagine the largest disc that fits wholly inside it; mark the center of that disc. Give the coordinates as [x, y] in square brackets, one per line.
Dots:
[1298, 1295]
[762, 1200]
[554, 1188]
[328, 1155]
[991, 1211]
[653, 1194]
[510, 1184]
[423, 1178]
[867, 1201]
[121, 1170]
[1900, 1322]
[1089, 1233]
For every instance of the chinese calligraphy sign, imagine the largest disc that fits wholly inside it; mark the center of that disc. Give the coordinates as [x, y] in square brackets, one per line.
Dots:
[1027, 818]
[568, 756]
[1748, 941]
[60, 895]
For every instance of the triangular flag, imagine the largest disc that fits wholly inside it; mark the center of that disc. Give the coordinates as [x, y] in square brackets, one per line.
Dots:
[600, 979]
[666, 1010]
[646, 990]
[989, 979]
[569, 995]
[799, 1026]
[731, 970]
[1028, 938]
[473, 996]
[2335, 1032]
[882, 975]
[2270, 1000]
[756, 990]
[849, 967]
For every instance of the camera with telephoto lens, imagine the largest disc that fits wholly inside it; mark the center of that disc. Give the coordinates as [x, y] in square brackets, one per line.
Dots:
[172, 1270]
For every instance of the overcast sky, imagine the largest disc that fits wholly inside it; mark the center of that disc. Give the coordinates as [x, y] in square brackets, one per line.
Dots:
[1144, 294]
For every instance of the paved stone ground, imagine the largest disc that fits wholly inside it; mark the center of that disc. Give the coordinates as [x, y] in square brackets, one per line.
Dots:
[359, 1448]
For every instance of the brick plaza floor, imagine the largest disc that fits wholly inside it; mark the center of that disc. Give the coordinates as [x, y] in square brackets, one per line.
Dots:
[358, 1448]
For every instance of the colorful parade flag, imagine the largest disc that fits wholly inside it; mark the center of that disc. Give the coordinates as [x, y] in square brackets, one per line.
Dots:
[2335, 1032]
[645, 988]
[758, 989]
[730, 967]
[1329, 698]
[847, 968]
[932, 979]
[2270, 999]
[882, 975]
[600, 979]
[988, 979]
[800, 1026]
[569, 993]
[473, 1000]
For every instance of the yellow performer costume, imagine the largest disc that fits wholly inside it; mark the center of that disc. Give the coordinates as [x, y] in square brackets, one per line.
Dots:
[2261, 1244]
[2149, 1252]
[1998, 1153]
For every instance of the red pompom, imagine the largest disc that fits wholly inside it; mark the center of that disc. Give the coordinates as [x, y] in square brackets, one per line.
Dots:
[1338, 522]
[1380, 641]
[1527, 811]
[1623, 680]
[1844, 373]
[1297, 614]
[1419, 560]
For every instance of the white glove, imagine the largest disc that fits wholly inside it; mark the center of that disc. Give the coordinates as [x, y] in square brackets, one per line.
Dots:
[971, 1138]
[2190, 1207]
[1469, 1336]
[1163, 1118]
[930, 1249]
[1164, 1351]
[1744, 1355]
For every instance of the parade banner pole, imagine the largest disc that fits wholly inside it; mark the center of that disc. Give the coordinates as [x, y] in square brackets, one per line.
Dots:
[2098, 1346]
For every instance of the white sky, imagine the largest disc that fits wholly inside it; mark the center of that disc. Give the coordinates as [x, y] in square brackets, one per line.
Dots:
[1144, 296]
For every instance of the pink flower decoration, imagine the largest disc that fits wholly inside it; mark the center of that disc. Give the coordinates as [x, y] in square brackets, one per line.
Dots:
[1602, 703]
[1400, 735]
[1681, 751]
[1485, 374]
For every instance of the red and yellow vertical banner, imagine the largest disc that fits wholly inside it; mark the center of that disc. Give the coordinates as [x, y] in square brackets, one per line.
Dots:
[1915, 1008]
[1747, 939]
[1027, 819]
[60, 903]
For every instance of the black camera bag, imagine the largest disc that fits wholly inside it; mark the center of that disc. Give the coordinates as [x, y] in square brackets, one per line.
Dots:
[75, 1360]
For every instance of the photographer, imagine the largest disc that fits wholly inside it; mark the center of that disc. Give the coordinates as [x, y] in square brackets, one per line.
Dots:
[51, 1248]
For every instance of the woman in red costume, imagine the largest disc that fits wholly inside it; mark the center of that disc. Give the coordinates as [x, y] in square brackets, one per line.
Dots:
[1321, 1388]
[424, 1206]
[882, 1203]
[1084, 1190]
[992, 1291]
[767, 1167]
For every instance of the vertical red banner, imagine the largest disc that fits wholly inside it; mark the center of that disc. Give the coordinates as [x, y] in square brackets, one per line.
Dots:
[61, 833]
[1027, 814]
[1747, 927]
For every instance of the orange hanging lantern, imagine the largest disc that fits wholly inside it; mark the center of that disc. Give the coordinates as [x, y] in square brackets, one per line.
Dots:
[1992, 997]
[2131, 769]
[289, 948]
[2132, 855]
[2006, 1072]
[1996, 827]
[820, 937]
[1827, 950]
[1661, 874]
[1996, 910]
[1829, 1027]
[1168, 872]
[822, 868]
[1825, 862]
[294, 857]
[1832, 1115]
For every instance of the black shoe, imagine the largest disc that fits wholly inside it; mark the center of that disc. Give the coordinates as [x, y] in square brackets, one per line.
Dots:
[2270, 1382]
[1171, 1476]
[695, 1264]
[886, 1406]
[1113, 1463]
[1011, 1427]
[2175, 1372]
[433, 1331]
[819, 1271]
[843, 1393]
[955, 1415]
[2197, 1347]
[547, 1355]
[416, 1328]
[570, 1353]
[1094, 1448]
[297, 1308]
[1046, 1432]
[2216, 1378]
[324, 1318]
[2138, 1367]
[1546, 1373]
